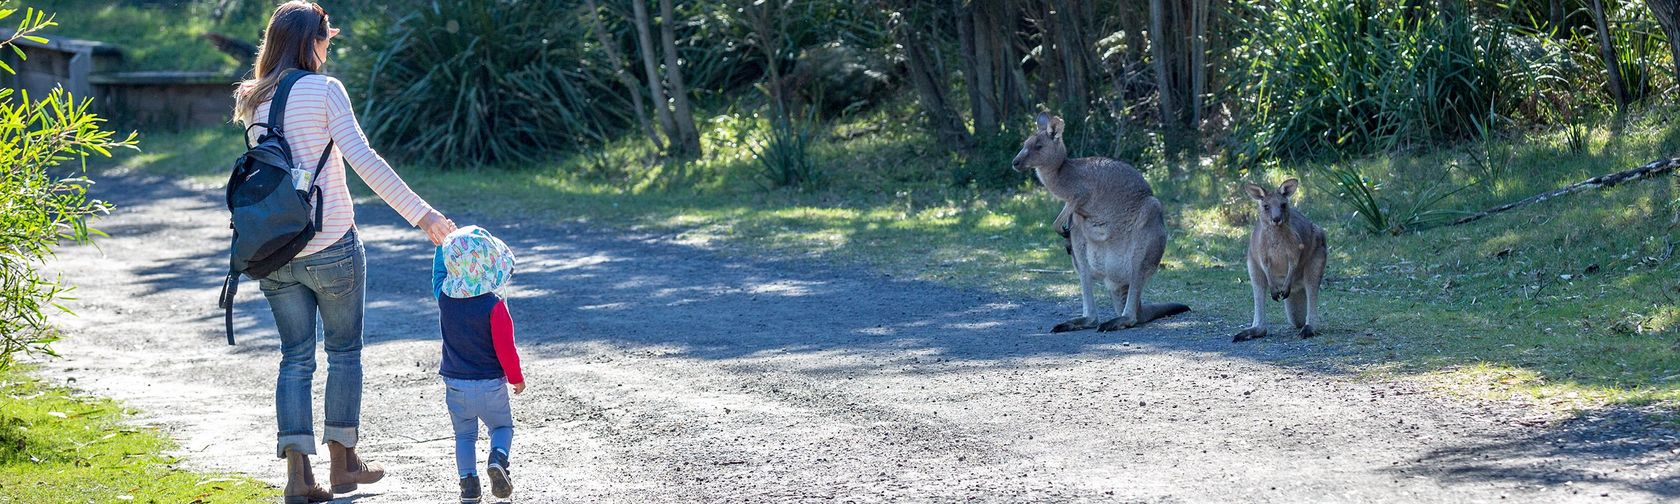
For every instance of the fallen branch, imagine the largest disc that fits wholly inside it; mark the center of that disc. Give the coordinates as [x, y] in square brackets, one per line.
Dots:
[1651, 169]
[1048, 271]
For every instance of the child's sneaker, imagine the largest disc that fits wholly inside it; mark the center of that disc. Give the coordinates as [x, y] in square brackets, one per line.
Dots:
[500, 485]
[470, 490]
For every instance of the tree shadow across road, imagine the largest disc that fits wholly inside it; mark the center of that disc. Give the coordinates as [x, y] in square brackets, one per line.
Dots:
[1641, 448]
[578, 285]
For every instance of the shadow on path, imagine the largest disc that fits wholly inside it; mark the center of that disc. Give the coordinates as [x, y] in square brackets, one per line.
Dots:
[577, 285]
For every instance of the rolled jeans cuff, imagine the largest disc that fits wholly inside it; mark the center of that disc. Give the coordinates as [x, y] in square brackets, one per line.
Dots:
[344, 435]
[301, 443]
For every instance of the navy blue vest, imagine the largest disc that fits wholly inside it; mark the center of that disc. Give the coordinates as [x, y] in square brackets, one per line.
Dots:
[468, 353]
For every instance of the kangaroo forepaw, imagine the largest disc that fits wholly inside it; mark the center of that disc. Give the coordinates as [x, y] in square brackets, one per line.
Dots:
[1117, 323]
[1248, 334]
[1075, 324]
[1307, 331]
[1280, 295]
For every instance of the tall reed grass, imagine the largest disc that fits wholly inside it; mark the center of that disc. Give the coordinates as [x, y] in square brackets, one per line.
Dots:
[465, 83]
[1355, 77]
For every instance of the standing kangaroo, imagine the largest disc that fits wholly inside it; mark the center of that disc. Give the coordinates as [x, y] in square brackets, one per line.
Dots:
[1114, 226]
[1285, 259]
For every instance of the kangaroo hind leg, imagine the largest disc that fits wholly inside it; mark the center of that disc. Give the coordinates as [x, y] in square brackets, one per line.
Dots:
[1128, 301]
[1257, 283]
[1082, 268]
[1296, 307]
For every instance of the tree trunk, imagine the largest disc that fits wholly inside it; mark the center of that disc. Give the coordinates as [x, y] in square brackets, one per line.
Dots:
[765, 21]
[928, 79]
[686, 132]
[975, 29]
[1075, 56]
[1052, 82]
[656, 88]
[1198, 59]
[1667, 13]
[1177, 33]
[1160, 51]
[1612, 64]
[1012, 79]
[624, 77]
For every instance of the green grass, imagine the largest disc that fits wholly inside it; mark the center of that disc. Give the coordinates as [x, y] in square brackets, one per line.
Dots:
[58, 446]
[1444, 305]
[154, 37]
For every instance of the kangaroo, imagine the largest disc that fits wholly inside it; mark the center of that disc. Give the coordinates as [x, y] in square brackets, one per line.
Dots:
[1114, 226]
[1286, 255]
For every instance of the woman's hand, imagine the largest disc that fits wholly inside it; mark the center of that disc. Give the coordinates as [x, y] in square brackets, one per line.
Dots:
[437, 227]
[518, 388]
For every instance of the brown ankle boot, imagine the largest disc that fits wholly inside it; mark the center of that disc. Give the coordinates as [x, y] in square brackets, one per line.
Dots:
[348, 470]
[300, 481]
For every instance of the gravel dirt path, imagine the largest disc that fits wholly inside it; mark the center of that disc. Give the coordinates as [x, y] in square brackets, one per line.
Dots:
[662, 372]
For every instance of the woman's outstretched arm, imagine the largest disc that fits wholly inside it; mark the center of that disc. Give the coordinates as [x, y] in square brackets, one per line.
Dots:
[347, 134]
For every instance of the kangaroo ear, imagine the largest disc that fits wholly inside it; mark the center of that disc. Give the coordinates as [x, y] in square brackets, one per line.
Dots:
[1056, 128]
[1288, 187]
[1043, 120]
[1254, 191]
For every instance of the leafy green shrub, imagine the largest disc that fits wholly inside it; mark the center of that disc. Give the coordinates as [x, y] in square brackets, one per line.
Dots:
[41, 202]
[1490, 157]
[1639, 43]
[1576, 133]
[466, 82]
[1354, 77]
[783, 154]
[1382, 214]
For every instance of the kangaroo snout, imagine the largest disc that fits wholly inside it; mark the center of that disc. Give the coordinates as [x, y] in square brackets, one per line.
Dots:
[1020, 157]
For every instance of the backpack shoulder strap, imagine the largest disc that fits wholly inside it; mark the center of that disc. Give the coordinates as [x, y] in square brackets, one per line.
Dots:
[315, 185]
[277, 107]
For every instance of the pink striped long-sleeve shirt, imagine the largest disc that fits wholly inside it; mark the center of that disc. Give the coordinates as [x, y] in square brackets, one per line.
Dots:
[317, 110]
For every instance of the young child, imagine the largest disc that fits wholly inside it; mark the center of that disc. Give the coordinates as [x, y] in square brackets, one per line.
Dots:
[478, 352]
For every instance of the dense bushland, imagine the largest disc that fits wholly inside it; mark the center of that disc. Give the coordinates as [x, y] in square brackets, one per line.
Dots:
[464, 83]
[1254, 82]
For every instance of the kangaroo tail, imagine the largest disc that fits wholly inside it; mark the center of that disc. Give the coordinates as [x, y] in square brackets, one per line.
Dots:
[1161, 310]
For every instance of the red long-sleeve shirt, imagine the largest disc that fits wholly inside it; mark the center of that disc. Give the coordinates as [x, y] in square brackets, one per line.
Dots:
[501, 337]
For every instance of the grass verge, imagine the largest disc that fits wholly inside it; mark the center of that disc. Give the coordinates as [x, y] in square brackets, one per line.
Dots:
[1567, 304]
[58, 446]
[154, 36]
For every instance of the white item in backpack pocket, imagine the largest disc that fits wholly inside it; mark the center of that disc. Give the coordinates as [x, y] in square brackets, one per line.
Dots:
[302, 179]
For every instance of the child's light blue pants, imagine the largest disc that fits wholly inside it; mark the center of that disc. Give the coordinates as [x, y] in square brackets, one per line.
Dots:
[472, 401]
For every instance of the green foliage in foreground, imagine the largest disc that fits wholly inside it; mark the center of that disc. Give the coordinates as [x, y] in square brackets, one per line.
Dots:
[56, 446]
[41, 202]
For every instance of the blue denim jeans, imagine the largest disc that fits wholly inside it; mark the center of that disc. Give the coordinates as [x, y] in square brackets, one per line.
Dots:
[330, 284]
[473, 401]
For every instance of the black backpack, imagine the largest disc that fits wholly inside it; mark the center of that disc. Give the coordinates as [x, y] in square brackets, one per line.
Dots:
[272, 219]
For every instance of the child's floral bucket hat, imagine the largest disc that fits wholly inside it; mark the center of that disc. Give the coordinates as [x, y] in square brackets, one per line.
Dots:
[477, 263]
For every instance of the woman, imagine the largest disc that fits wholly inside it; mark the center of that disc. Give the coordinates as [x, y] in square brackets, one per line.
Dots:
[328, 277]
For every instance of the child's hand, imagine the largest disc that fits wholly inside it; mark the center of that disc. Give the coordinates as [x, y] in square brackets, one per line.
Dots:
[518, 388]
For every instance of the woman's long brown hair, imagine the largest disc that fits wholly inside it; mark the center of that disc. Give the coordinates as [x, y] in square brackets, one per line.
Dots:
[289, 42]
